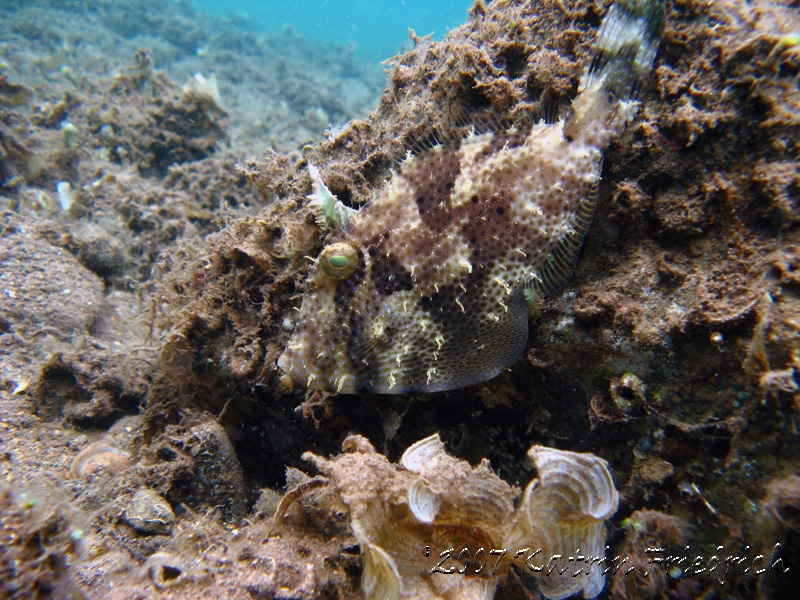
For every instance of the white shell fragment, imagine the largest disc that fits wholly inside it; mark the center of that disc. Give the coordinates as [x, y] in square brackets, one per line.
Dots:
[380, 578]
[427, 526]
[423, 455]
[423, 502]
[66, 195]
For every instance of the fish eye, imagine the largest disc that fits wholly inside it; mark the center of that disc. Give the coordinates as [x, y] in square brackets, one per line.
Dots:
[339, 260]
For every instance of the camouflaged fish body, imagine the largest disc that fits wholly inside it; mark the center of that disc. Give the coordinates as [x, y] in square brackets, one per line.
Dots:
[424, 289]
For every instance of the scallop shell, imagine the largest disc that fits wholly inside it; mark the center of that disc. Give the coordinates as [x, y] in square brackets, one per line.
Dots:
[563, 513]
[98, 457]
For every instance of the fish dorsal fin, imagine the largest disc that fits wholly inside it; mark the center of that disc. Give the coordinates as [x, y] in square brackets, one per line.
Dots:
[557, 271]
[332, 213]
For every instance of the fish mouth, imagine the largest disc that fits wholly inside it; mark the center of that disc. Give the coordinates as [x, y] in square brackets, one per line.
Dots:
[299, 373]
[295, 372]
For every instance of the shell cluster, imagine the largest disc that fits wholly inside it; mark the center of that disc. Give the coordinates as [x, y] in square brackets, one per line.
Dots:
[433, 526]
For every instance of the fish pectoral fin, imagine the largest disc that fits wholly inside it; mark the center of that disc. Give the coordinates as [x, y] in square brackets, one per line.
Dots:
[557, 271]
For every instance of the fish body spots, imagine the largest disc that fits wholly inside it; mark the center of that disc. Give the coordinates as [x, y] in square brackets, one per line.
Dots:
[431, 293]
[444, 252]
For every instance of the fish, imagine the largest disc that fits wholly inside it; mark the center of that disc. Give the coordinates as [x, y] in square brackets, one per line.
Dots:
[427, 287]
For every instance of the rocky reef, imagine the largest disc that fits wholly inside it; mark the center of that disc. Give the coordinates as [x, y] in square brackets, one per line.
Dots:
[671, 356]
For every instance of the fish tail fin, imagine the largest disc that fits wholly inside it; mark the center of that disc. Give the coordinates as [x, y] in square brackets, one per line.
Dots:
[623, 53]
[620, 63]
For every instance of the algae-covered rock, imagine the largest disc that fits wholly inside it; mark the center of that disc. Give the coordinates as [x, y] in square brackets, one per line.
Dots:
[148, 512]
[44, 289]
[201, 470]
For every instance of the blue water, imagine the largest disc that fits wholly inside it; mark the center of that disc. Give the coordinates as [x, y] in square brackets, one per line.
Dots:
[378, 28]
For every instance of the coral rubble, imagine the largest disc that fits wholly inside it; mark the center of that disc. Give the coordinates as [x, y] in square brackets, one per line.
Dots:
[433, 500]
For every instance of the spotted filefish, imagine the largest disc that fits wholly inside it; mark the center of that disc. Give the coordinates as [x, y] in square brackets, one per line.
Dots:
[427, 287]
